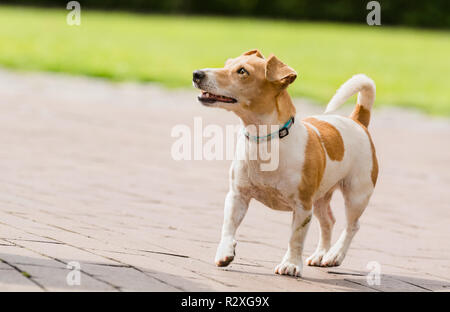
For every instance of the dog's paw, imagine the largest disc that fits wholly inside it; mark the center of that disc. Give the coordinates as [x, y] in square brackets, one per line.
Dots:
[289, 268]
[225, 253]
[316, 258]
[333, 257]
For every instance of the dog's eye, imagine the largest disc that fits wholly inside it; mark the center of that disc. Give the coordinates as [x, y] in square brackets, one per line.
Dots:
[242, 71]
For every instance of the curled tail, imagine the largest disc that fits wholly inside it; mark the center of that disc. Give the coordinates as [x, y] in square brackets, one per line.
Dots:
[365, 87]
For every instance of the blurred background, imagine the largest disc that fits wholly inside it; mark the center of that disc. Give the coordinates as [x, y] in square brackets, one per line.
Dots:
[164, 41]
[86, 120]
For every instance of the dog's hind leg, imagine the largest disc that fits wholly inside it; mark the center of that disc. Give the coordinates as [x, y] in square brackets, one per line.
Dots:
[236, 206]
[357, 192]
[322, 211]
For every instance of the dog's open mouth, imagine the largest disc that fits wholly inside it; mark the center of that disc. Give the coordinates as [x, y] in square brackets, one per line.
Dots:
[208, 98]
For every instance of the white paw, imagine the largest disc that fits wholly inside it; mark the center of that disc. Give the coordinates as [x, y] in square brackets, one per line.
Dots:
[225, 253]
[334, 257]
[316, 258]
[289, 268]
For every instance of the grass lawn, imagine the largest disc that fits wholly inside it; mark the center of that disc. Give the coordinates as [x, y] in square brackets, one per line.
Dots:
[410, 67]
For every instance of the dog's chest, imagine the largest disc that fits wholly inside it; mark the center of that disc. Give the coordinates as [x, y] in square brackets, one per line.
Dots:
[277, 191]
[273, 198]
[278, 188]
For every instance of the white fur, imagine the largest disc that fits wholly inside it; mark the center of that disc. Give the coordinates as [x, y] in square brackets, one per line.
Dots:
[361, 84]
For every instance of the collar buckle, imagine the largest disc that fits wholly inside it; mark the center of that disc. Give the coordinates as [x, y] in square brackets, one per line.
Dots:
[284, 131]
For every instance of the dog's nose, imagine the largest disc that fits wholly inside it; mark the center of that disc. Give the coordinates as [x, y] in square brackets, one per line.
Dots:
[198, 75]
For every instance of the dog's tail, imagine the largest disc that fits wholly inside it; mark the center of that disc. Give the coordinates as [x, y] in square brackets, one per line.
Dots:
[365, 87]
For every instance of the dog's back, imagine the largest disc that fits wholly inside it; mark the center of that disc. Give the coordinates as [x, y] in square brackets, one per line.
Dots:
[346, 140]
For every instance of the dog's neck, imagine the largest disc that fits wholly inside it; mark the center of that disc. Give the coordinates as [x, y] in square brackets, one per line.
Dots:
[283, 110]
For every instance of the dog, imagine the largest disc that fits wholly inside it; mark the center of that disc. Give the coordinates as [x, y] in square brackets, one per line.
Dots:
[317, 155]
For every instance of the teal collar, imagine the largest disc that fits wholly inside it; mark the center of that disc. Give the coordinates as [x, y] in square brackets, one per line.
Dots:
[284, 131]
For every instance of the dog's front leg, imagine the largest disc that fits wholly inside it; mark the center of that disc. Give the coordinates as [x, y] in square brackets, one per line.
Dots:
[292, 260]
[236, 206]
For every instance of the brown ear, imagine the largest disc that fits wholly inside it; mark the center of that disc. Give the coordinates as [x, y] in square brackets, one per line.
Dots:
[279, 73]
[256, 52]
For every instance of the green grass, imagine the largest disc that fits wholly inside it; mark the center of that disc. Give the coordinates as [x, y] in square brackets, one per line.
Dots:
[410, 67]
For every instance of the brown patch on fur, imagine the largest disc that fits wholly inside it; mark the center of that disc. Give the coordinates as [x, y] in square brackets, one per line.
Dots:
[284, 106]
[330, 137]
[374, 173]
[361, 114]
[313, 168]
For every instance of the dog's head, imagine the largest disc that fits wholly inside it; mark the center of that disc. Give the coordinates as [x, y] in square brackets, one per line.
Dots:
[246, 84]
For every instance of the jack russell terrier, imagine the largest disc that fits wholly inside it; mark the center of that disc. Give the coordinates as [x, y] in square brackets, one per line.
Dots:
[317, 155]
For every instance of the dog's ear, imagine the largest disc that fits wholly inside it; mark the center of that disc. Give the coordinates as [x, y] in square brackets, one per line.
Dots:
[279, 73]
[255, 52]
